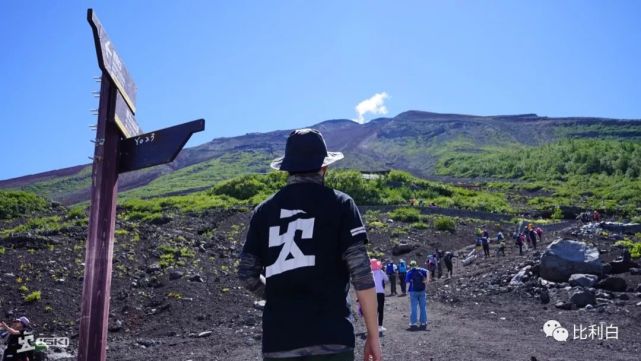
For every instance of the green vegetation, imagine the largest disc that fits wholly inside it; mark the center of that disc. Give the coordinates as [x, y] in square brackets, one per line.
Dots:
[248, 190]
[18, 203]
[62, 186]
[376, 224]
[397, 187]
[444, 223]
[2, 250]
[203, 175]
[406, 214]
[32, 297]
[419, 225]
[607, 130]
[77, 212]
[632, 246]
[554, 161]
[175, 295]
[48, 224]
[587, 173]
[171, 255]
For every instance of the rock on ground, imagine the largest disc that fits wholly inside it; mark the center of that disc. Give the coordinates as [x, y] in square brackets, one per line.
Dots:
[616, 284]
[583, 280]
[565, 257]
[582, 297]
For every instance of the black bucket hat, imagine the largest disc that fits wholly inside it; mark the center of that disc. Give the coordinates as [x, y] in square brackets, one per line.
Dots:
[305, 152]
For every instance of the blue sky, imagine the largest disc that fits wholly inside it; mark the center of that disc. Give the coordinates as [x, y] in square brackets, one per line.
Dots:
[255, 66]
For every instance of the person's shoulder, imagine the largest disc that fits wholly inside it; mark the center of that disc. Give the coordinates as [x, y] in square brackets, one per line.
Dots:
[342, 197]
[265, 203]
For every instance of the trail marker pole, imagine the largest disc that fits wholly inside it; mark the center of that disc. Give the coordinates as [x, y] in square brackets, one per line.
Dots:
[120, 147]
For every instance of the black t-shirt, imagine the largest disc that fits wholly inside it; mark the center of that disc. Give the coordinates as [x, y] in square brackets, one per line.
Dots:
[300, 235]
[13, 345]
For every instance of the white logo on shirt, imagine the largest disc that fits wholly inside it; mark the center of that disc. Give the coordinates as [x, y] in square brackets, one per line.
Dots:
[298, 259]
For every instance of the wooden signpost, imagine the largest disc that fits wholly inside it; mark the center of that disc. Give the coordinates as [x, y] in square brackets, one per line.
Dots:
[120, 147]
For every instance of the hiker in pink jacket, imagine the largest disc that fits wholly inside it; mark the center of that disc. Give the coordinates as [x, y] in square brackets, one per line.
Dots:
[379, 283]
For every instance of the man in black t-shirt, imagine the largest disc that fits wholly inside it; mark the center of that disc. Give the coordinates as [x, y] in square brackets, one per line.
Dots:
[309, 241]
[18, 346]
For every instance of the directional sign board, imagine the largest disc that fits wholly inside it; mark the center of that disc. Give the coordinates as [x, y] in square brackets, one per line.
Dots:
[110, 62]
[159, 147]
[125, 118]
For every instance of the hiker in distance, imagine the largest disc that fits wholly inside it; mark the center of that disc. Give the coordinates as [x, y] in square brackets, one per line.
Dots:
[416, 279]
[390, 270]
[309, 240]
[380, 278]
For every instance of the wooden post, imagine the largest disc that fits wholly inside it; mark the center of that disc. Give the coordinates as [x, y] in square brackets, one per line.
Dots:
[120, 147]
[99, 247]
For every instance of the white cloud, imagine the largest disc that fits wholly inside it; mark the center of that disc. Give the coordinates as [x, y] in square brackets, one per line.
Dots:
[374, 105]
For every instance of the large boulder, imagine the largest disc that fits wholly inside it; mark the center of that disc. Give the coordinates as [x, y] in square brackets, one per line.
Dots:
[565, 257]
[616, 284]
[583, 280]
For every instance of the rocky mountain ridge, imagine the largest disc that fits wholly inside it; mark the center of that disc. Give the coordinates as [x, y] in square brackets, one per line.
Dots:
[411, 141]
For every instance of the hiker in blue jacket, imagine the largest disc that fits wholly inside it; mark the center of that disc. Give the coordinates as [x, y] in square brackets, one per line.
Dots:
[390, 269]
[402, 273]
[416, 279]
[485, 242]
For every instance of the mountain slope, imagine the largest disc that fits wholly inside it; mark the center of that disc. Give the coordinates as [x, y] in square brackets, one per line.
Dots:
[412, 141]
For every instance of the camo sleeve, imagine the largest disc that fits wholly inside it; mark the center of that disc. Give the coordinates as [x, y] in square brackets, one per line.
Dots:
[358, 264]
[249, 270]
[250, 265]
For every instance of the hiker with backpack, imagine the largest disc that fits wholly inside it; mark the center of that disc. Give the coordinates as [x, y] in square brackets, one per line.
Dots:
[439, 263]
[539, 232]
[520, 241]
[528, 240]
[402, 273]
[390, 270]
[532, 235]
[500, 250]
[416, 279]
[485, 242]
[447, 259]
[431, 266]
[379, 282]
